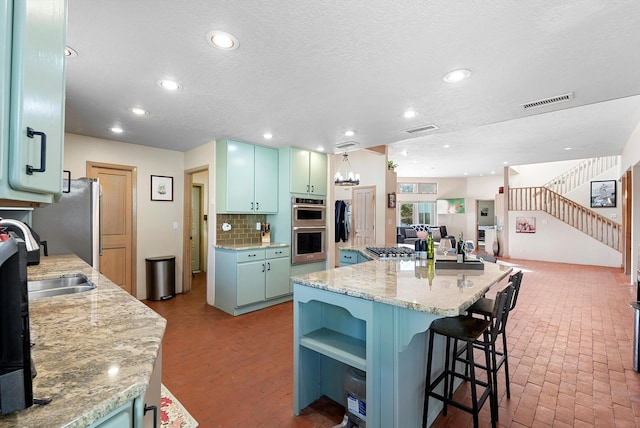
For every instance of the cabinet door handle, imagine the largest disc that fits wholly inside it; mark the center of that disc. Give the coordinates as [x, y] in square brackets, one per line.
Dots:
[43, 150]
[262, 267]
[313, 189]
[257, 206]
[347, 257]
[251, 255]
[268, 266]
[251, 206]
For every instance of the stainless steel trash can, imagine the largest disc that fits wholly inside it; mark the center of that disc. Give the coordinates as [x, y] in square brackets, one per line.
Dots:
[161, 277]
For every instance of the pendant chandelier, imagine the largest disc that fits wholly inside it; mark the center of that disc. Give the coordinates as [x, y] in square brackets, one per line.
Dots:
[345, 175]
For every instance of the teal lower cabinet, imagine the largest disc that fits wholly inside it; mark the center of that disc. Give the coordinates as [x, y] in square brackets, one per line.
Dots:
[332, 331]
[352, 257]
[129, 415]
[248, 280]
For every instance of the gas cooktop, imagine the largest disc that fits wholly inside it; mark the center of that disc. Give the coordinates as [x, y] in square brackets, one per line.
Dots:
[391, 252]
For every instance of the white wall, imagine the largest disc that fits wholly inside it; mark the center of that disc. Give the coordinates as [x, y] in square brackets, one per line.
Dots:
[631, 161]
[156, 235]
[554, 241]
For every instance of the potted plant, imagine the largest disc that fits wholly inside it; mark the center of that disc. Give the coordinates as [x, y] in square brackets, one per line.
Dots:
[391, 166]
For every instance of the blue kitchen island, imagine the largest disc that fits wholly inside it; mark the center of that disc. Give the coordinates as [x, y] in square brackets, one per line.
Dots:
[375, 316]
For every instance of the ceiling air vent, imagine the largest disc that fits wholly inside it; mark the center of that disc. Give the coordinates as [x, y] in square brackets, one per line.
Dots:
[424, 128]
[347, 145]
[548, 101]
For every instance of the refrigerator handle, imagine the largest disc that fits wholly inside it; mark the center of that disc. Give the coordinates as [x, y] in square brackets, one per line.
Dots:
[100, 224]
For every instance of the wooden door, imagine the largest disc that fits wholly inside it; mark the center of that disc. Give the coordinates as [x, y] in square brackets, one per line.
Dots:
[364, 215]
[117, 261]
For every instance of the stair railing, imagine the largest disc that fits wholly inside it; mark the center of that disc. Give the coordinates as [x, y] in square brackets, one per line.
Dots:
[587, 221]
[581, 174]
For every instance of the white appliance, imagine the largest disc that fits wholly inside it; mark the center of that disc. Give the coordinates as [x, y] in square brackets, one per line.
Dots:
[72, 225]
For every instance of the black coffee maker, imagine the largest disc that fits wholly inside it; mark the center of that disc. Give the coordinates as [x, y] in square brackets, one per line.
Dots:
[16, 391]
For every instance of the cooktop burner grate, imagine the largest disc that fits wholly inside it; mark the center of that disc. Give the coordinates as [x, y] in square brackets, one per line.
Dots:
[392, 252]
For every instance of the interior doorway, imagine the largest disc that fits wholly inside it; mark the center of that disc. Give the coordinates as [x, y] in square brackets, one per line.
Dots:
[195, 233]
[485, 219]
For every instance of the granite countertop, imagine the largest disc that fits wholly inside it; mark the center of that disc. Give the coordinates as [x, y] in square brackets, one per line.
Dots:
[406, 283]
[94, 351]
[257, 246]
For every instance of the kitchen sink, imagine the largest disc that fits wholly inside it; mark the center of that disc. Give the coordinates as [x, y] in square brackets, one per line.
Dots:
[69, 284]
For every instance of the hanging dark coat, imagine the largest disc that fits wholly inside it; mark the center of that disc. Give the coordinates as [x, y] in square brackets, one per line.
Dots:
[340, 226]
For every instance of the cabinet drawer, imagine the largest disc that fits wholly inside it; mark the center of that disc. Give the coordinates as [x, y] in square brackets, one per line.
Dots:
[348, 257]
[250, 256]
[273, 253]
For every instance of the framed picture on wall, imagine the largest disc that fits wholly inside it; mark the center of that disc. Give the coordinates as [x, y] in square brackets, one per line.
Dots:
[161, 188]
[603, 194]
[525, 225]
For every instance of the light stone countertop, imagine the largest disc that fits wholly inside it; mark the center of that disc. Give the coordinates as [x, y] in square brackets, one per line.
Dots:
[258, 246]
[405, 283]
[94, 351]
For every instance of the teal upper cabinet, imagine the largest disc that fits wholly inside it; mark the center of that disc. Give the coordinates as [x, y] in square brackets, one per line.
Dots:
[308, 172]
[32, 97]
[246, 178]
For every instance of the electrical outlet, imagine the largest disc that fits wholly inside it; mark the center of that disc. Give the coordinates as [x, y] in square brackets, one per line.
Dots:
[258, 226]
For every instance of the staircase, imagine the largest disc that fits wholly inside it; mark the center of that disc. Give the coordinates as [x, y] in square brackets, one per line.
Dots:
[587, 221]
[581, 174]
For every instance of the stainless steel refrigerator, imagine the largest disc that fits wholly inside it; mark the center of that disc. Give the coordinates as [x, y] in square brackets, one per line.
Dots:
[72, 225]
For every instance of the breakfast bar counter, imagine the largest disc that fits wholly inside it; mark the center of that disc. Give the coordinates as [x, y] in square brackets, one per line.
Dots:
[375, 316]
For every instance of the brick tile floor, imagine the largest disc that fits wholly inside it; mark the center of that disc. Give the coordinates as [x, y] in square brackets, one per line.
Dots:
[570, 354]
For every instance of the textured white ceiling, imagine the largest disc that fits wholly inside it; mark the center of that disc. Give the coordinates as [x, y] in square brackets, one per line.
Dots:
[307, 71]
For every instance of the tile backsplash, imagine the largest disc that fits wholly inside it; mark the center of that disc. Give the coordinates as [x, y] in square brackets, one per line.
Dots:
[243, 229]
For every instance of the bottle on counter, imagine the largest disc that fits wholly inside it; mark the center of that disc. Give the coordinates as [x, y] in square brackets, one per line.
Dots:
[431, 272]
[460, 250]
[430, 249]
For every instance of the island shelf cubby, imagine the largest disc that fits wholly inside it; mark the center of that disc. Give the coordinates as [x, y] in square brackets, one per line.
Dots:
[328, 338]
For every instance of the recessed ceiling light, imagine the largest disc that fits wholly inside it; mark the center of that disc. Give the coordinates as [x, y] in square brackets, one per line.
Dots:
[116, 130]
[456, 76]
[349, 133]
[169, 85]
[466, 173]
[410, 114]
[68, 52]
[567, 148]
[446, 146]
[222, 40]
[505, 162]
[138, 111]
[493, 172]
[267, 136]
[404, 153]
[320, 149]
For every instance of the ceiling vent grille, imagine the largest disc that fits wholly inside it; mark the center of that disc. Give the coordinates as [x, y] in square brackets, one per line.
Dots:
[548, 101]
[347, 145]
[424, 128]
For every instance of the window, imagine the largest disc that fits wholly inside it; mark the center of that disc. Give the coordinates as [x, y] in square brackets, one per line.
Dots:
[430, 188]
[407, 188]
[417, 213]
[423, 188]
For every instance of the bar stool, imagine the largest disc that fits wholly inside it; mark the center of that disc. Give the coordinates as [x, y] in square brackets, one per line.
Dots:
[484, 307]
[469, 330]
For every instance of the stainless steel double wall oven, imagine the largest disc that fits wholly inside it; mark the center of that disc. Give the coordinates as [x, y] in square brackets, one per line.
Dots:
[309, 226]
